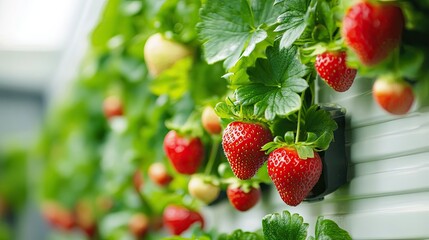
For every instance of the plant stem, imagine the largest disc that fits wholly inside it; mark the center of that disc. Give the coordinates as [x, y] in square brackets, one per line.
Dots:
[212, 157]
[298, 128]
[396, 62]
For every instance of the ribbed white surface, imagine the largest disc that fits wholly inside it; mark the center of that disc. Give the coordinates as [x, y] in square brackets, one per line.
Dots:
[388, 193]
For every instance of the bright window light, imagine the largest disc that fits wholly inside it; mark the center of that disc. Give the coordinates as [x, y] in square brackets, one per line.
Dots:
[36, 24]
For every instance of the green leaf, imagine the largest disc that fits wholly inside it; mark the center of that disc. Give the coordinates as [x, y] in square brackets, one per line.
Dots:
[178, 17]
[327, 17]
[411, 61]
[108, 27]
[240, 235]
[328, 230]
[293, 21]
[132, 68]
[206, 82]
[278, 226]
[319, 126]
[280, 65]
[237, 75]
[130, 8]
[117, 163]
[232, 29]
[223, 110]
[187, 238]
[276, 82]
[421, 90]
[173, 81]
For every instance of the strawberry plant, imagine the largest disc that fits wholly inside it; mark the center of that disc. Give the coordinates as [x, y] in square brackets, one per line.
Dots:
[139, 133]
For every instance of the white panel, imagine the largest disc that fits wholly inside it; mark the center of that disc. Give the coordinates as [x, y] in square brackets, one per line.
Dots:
[390, 139]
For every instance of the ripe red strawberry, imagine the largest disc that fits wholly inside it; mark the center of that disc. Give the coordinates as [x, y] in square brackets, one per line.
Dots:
[293, 177]
[393, 95]
[331, 67]
[241, 199]
[184, 153]
[242, 143]
[178, 219]
[373, 30]
[158, 174]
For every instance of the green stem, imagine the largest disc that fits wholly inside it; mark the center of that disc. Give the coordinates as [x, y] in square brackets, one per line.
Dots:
[396, 61]
[212, 157]
[298, 128]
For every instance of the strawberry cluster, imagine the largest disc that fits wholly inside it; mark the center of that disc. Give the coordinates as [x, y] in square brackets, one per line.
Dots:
[372, 31]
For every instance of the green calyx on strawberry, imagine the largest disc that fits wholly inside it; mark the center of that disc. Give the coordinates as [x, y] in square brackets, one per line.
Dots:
[242, 143]
[184, 152]
[373, 30]
[393, 94]
[332, 68]
[178, 219]
[293, 175]
[243, 196]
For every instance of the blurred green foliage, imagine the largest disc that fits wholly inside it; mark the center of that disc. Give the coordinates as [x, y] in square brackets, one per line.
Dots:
[13, 178]
[14, 185]
[86, 156]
